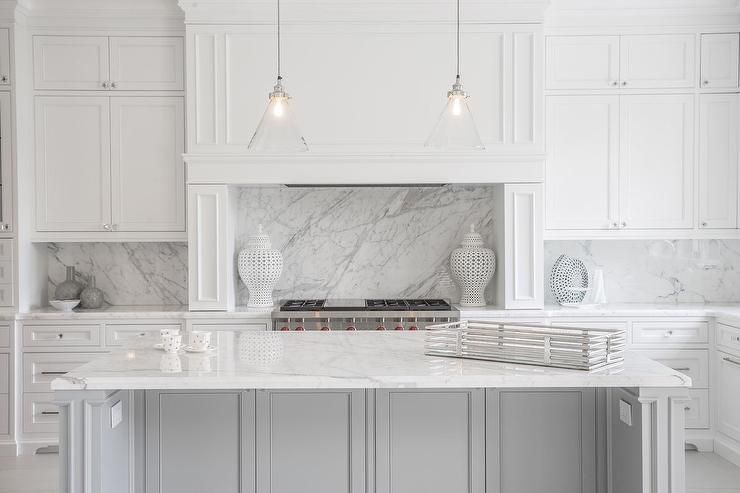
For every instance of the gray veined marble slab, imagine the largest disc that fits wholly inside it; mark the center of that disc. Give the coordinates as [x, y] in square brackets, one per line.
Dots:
[270, 360]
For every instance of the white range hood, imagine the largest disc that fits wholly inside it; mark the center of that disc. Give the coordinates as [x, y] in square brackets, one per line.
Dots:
[368, 80]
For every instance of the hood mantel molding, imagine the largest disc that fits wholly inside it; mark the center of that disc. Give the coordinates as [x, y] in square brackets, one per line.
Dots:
[365, 169]
[331, 11]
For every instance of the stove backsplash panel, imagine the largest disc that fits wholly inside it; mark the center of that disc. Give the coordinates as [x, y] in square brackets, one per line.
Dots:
[364, 242]
[657, 271]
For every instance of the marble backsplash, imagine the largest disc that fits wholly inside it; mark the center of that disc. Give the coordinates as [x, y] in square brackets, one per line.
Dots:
[657, 271]
[128, 273]
[364, 242]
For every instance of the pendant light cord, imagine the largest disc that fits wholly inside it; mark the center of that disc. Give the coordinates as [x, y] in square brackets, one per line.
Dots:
[279, 71]
[458, 38]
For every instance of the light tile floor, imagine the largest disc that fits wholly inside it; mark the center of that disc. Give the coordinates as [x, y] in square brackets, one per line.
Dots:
[705, 473]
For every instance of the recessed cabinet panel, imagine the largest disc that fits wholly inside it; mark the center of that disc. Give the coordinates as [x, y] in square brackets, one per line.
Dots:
[72, 163]
[147, 63]
[719, 60]
[4, 373]
[6, 164]
[718, 160]
[70, 62]
[582, 162]
[657, 61]
[728, 397]
[430, 441]
[5, 76]
[656, 161]
[4, 414]
[582, 62]
[148, 174]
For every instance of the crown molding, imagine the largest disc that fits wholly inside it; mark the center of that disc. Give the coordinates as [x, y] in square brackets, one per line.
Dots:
[634, 13]
[102, 14]
[361, 11]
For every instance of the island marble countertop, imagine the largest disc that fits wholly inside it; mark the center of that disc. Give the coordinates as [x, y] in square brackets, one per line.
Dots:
[275, 360]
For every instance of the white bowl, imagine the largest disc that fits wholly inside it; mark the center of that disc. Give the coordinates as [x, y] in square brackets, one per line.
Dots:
[64, 305]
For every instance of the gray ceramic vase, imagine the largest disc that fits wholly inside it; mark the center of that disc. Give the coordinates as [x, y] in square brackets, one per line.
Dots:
[91, 297]
[69, 289]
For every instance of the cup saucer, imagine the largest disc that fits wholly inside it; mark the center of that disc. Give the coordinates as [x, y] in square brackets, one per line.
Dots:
[159, 345]
[191, 349]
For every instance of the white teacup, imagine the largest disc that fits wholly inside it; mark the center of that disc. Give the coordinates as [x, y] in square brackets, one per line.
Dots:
[170, 363]
[200, 340]
[167, 332]
[172, 343]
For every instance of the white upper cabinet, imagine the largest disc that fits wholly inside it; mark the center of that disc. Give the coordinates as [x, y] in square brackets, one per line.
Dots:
[147, 63]
[102, 63]
[719, 60]
[718, 160]
[72, 163]
[6, 164]
[582, 62]
[657, 61]
[621, 62]
[148, 174]
[5, 57]
[582, 162]
[656, 161]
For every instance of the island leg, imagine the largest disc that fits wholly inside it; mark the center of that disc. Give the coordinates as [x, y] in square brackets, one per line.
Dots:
[95, 441]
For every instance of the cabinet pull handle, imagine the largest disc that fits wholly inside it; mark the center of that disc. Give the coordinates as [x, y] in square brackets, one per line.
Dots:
[682, 369]
[730, 360]
[49, 413]
[53, 372]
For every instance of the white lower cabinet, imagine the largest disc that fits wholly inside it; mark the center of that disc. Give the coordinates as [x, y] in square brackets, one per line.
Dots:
[697, 410]
[728, 394]
[4, 414]
[124, 334]
[39, 369]
[40, 413]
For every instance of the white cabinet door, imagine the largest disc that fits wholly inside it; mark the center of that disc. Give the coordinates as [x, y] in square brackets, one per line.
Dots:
[582, 162]
[728, 397]
[147, 63]
[70, 62]
[582, 62]
[147, 170]
[656, 161]
[72, 163]
[4, 57]
[718, 160]
[6, 164]
[719, 60]
[657, 61]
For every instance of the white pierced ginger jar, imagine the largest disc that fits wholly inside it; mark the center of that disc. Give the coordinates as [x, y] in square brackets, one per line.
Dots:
[260, 267]
[472, 267]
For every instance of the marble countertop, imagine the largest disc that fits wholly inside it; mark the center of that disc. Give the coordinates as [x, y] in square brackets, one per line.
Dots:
[274, 360]
[141, 312]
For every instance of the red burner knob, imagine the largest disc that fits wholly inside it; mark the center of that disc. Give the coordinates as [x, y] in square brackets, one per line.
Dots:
[325, 329]
[351, 327]
[284, 329]
[380, 327]
[413, 327]
[399, 327]
[300, 329]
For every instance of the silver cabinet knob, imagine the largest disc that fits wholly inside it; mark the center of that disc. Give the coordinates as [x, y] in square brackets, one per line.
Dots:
[615, 224]
[668, 333]
[704, 224]
[624, 224]
[705, 82]
[4, 79]
[624, 83]
[113, 85]
[615, 83]
[107, 227]
[104, 84]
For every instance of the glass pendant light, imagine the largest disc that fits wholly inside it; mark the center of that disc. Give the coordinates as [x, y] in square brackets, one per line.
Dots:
[455, 129]
[277, 130]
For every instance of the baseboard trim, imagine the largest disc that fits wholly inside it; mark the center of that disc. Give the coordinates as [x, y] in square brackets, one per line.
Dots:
[727, 448]
[8, 448]
[703, 440]
[29, 447]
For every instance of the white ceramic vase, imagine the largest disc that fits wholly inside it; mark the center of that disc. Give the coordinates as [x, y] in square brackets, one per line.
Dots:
[472, 267]
[260, 267]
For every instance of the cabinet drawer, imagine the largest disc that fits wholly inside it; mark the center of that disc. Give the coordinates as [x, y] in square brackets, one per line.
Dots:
[39, 369]
[6, 249]
[121, 335]
[4, 373]
[6, 295]
[729, 337]
[4, 414]
[4, 335]
[6, 271]
[588, 324]
[40, 414]
[697, 409]
[692, 363]
[669, 332]
[61, 335]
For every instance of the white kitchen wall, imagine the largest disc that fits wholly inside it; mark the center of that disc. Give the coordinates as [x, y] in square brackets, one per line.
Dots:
[657, 270]
[364, 242]
[128, 273]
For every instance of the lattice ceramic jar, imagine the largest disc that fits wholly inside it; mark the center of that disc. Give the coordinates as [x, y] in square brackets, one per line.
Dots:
[472, 267]
[260, 267]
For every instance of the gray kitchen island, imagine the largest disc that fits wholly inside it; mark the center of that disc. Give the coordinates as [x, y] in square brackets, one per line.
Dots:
[361, 412]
